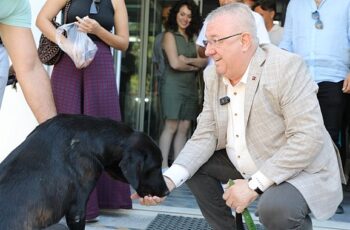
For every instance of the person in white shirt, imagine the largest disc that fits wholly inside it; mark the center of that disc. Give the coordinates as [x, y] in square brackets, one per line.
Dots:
[262, 34]
[267, 9]
[261, 126]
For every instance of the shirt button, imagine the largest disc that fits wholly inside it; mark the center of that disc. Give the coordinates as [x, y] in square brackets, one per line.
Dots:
[235, 93]
[237, 135]
[235, 114]
[243, 173]
[238, 156]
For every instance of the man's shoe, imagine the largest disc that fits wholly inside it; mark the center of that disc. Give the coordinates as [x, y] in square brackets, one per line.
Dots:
[340, 210]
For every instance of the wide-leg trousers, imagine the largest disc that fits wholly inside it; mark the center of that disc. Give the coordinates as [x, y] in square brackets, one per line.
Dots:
[92, 91]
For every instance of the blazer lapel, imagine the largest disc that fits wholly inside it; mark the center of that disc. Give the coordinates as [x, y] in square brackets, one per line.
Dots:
[222, 113]
[254, 76]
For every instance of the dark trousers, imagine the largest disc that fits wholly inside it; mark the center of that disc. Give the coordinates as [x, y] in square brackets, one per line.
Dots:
[332, 103]
[275, 211]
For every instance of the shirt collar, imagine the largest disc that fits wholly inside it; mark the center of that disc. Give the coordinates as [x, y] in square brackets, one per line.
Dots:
[243, 79]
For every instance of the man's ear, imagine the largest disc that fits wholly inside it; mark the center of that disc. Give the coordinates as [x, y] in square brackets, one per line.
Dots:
[246, 41]
[272, 14]
[132, 166]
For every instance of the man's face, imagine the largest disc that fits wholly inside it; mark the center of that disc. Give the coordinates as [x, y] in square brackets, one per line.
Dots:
[224, 2]
[267, 15]
[225, 53]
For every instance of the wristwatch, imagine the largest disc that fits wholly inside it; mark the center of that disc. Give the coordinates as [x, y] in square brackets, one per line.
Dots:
[254, 186]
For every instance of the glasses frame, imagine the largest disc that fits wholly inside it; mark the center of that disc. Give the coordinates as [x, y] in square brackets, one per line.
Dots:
[216, 41]
[95, 6]
[316, 16]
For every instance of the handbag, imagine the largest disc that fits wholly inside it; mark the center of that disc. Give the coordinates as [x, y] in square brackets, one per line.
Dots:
[49, 53]
[12, 80]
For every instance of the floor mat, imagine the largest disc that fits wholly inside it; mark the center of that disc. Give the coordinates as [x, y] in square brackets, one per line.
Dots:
[169, 222]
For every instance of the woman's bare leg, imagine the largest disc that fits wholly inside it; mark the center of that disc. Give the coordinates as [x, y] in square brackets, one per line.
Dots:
[181, 136]
[165, 140]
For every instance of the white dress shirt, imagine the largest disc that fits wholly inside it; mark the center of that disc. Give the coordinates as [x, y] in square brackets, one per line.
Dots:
[236, 146]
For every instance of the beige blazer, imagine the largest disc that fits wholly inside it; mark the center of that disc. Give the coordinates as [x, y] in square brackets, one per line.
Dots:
[285, 134]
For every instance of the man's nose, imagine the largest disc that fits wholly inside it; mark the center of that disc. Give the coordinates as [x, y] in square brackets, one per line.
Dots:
[209, 50]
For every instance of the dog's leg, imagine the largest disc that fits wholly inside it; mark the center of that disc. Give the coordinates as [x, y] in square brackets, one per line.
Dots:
[75, 223]
[75, 217]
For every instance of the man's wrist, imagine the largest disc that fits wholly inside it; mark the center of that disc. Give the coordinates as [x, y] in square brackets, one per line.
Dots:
[253, 185]
[170, 184]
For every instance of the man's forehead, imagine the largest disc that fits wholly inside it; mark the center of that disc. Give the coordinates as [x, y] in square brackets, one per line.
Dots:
[219, 24]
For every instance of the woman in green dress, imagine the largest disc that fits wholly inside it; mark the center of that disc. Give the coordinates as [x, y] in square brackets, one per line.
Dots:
[178, 87]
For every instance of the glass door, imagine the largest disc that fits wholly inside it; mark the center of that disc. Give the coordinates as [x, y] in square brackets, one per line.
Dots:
[137, 80]
[139, 99]
[128, 67]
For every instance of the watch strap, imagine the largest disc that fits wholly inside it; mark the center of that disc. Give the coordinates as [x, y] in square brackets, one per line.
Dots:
[256, 188]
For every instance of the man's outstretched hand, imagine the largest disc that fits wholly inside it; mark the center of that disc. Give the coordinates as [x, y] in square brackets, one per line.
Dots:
[153, 200]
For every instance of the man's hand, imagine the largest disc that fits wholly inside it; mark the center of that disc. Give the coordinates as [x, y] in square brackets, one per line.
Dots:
[239, 196]
[346, 84]
[154, 200]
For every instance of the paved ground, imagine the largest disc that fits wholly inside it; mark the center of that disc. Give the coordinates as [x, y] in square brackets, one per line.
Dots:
[181, 202]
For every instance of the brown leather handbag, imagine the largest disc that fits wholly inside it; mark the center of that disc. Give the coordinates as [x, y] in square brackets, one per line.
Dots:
[48, 51]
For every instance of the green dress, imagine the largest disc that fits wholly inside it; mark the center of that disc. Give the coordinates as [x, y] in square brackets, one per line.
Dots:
[178, 89]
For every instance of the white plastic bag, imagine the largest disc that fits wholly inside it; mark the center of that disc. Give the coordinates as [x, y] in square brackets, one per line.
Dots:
[79, 47]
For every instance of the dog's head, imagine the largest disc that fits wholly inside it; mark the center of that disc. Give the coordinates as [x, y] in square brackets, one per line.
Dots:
[141, 165]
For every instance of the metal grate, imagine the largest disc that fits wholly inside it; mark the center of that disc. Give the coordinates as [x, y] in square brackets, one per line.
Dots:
[169, 222]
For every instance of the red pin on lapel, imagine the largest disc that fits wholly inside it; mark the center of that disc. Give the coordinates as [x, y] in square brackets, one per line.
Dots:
[253, 78]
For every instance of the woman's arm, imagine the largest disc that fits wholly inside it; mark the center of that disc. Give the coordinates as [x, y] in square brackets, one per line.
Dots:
[175, 61]
[119, 40]
[199, 61]
[43, 21]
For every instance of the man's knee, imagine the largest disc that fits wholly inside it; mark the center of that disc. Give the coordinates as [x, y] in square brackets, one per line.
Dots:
[276, 212]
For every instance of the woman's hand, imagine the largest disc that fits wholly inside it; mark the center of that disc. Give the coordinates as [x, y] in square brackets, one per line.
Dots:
[184, 59]
[87, 25]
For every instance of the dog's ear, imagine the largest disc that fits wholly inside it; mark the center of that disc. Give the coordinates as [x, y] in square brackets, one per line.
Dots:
[132, 166]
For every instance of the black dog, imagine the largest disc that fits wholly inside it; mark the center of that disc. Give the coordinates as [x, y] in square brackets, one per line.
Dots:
[51, 174]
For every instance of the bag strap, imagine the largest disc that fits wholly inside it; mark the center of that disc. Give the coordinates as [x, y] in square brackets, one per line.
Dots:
[65, 12]
[66, 8]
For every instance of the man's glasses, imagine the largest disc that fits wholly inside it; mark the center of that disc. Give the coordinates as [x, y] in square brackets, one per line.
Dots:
[95, 6]
[316, 16]
[215, 42]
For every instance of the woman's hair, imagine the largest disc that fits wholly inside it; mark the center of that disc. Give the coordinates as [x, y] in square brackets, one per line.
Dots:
[268, 5]
[196, 21]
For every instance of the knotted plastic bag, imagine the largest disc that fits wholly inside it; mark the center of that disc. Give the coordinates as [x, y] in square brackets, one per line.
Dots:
[79, 47]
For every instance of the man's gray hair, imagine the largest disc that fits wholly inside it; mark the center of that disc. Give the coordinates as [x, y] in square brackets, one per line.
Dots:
[242, 16]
